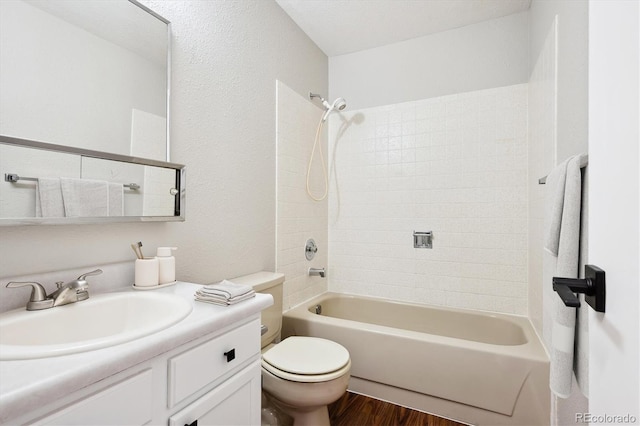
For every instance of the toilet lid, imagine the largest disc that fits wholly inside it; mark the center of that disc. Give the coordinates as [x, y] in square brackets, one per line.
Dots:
[307, 356]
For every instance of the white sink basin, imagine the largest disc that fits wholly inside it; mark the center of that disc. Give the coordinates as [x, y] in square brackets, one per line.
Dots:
[100, 321]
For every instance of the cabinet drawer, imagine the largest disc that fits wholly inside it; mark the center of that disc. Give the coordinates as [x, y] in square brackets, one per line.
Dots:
[126, 403]
[198, 367]
[235, 402]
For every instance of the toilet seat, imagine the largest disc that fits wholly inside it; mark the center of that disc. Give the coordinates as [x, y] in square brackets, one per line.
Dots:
[307, 359]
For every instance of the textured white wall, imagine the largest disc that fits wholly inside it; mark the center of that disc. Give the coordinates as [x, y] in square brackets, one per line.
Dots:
[480, 56]
[226, 59]
[455, 165]
[299, 217]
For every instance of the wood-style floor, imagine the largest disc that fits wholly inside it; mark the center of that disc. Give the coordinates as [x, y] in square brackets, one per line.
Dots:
[358, 410]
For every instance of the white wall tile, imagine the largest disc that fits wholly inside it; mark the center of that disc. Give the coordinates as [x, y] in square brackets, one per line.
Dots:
[456, 165]
[298, 216]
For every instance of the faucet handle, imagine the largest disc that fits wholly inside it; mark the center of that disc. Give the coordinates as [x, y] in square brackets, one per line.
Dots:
[88, 274]
[38, 298]
[38, 293]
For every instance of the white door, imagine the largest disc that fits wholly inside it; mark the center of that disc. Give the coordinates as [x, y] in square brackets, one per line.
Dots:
[614, 194]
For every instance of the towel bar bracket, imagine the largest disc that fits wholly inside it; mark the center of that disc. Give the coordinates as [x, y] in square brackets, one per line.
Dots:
[592, 286]
[13, 178]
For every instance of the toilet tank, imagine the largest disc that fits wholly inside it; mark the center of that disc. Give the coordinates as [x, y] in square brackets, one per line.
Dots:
[268, 283]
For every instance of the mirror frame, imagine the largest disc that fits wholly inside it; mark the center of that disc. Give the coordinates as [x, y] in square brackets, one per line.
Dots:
[180, 170]
[154, 14]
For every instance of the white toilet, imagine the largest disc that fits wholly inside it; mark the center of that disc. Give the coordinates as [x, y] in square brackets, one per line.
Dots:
[301, 375]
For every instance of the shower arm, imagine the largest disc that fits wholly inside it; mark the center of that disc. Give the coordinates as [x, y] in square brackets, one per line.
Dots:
[315, 95]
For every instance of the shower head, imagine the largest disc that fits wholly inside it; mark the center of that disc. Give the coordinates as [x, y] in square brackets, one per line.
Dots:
[339, 104]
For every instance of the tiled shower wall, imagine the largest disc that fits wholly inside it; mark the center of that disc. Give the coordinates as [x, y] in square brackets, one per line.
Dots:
[298, 217]
[542, 159]
[454, 165]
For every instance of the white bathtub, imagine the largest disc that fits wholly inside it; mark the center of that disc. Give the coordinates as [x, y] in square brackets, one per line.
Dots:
[475, 367]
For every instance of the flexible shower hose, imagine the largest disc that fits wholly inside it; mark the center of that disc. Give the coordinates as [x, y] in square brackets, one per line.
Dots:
[317, 142]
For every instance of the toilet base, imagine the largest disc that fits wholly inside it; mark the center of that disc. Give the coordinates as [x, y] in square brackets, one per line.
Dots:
[301, 416]
[319, 417]
[271, 415]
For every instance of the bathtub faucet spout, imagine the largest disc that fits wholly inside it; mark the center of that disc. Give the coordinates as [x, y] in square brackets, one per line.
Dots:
[317, 271]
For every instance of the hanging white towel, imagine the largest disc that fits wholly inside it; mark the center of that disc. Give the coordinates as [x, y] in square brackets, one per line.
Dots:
[49, 198]
[116, 199]
[556, 183]
[85, 197]
[563, 240]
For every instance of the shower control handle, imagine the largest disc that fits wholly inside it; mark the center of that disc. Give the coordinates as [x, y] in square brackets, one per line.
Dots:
[310, 249]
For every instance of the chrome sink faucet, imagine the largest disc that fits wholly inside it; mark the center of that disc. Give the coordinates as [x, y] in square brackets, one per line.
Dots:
[71, 292]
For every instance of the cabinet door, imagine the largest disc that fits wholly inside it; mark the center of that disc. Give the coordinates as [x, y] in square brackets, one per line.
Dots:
[235, 402]
[128, 402]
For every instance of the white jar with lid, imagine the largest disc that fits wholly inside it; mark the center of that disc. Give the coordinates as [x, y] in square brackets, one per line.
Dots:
[166, 265]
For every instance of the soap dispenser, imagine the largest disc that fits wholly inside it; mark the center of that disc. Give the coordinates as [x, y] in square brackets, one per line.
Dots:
[166, 265]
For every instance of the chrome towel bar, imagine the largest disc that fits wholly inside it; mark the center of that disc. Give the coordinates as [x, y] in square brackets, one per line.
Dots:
[13, 178]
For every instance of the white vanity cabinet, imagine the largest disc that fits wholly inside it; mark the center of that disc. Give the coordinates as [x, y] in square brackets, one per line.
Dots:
[212, 380]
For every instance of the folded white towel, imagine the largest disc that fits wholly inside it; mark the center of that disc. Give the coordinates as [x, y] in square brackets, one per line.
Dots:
[212, 295]
[116, 199]
[224, 293]
[85, 197]
[226, 289]
[49, 201]
[222, 301]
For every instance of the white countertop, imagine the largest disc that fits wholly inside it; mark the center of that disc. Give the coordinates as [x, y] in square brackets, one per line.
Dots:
[37, 382]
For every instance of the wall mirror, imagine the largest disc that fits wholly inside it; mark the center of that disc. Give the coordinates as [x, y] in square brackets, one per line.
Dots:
[84, 95]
